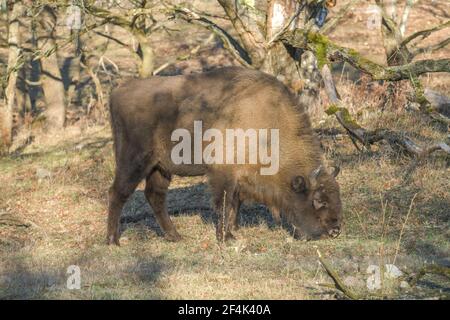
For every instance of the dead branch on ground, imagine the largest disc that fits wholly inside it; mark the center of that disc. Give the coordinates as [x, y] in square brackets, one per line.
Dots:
[9, 220]
[429, 269]
[398, 141]
[338, 283]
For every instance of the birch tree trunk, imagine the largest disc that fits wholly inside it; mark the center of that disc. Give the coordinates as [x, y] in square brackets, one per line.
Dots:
[297, 67]
[25, 42]
[258, 29]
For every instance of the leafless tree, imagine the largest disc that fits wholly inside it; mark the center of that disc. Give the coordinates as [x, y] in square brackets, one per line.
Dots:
[51, 78]
[14, 64]
[291, 37]
[135, 16]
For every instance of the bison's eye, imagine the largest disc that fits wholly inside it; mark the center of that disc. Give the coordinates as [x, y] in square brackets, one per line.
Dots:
[298, 184]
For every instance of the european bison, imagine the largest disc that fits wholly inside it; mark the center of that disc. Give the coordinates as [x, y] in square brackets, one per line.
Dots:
[150, 117]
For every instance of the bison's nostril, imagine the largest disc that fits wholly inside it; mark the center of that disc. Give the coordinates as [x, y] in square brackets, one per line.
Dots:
[335, 232]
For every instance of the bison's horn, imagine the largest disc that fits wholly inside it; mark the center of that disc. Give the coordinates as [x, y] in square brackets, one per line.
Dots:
[313, 176]
[335, 171]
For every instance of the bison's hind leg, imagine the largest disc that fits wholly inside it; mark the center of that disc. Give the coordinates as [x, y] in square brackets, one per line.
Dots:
[156, 188]
[130, 170]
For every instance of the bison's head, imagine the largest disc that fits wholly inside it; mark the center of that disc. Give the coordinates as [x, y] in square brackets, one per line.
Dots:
[315, 205]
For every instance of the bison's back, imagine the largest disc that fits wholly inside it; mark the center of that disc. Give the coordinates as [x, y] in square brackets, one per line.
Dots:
[145, 112]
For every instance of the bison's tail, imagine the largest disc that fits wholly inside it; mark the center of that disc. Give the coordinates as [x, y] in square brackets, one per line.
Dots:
[114, 127]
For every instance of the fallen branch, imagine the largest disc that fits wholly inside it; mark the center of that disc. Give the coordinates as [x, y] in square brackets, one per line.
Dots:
[398, 141]
[338, 284]
[429, 269]
[327, 51]
[9, 220]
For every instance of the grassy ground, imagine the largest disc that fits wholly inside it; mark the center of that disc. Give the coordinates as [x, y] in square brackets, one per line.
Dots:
[57, 188]
[54, 192]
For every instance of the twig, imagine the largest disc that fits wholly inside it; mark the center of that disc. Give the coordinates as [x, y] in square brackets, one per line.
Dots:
[107, 36]
[337, 281]
[229, 42]
[425, 33]
[403, 228]
[330, 24]
[223, 215]
[363, 227]
[192, 52]
[431, 49]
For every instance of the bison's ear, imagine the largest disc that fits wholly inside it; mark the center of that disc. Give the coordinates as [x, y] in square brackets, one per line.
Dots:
[298, 184]
[334, 171]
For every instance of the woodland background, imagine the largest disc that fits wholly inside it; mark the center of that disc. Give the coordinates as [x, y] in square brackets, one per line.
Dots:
[375, 77]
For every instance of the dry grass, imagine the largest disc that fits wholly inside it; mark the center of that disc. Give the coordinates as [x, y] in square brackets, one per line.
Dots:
[67, 214]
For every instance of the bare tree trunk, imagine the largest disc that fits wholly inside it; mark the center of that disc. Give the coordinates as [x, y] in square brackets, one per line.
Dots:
[146, 55]
[22, 94]
[297, 67]
[7, 108]
[75, 22]
[22, 89]
[280, 60]
[52, 84]
[245, 23]
[73, 94]
[395, 54]
[392, 35]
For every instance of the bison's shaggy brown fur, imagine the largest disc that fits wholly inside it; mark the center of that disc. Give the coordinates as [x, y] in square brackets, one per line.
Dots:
[144, 113]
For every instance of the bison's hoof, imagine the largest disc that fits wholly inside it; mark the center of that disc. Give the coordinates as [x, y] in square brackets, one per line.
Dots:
[173, 237]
